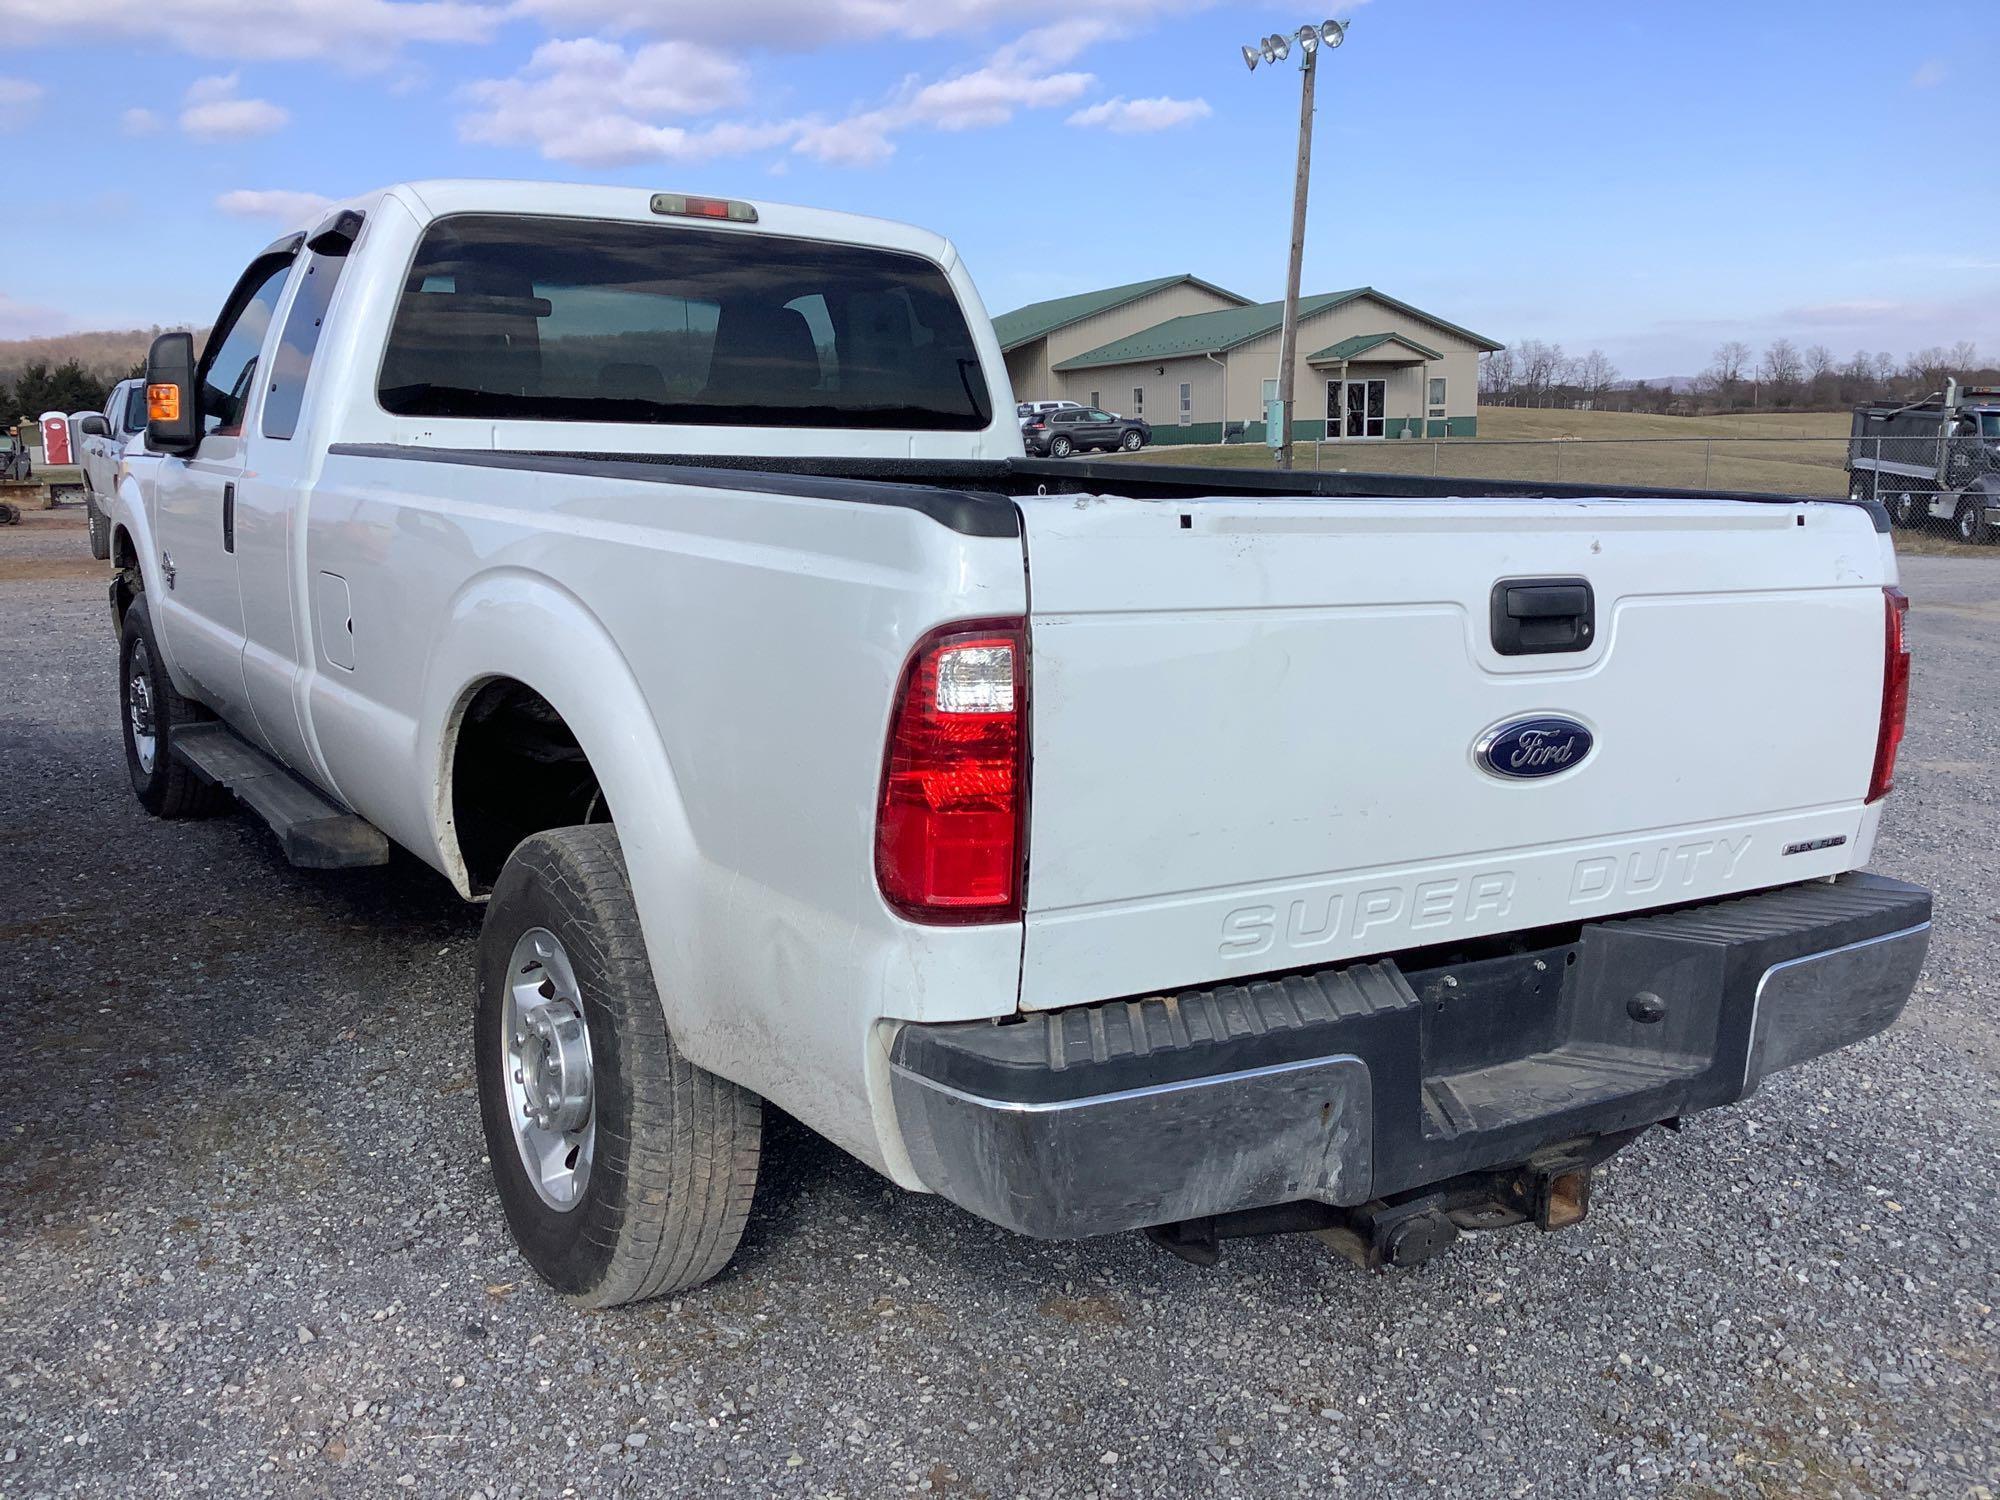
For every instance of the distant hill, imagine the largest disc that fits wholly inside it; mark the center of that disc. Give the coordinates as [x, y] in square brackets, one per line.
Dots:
[109, 353]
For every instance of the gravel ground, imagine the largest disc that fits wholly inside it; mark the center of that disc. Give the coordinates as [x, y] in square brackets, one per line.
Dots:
[248, 1245]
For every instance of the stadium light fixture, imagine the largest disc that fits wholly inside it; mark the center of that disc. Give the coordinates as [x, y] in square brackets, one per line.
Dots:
[1275, 49]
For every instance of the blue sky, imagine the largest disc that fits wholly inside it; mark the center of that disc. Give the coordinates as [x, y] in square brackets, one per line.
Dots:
[1644, 179]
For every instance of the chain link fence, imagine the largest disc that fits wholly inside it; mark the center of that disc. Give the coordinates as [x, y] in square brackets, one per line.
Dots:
[1948, 487]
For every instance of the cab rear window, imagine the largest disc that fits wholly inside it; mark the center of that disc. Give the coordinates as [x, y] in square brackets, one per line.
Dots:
[508, 316]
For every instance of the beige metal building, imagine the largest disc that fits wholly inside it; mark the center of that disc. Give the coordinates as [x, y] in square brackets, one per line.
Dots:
[1190, 357]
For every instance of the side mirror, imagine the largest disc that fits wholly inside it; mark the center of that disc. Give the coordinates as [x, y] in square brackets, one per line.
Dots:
[173, 400]
[93, 426]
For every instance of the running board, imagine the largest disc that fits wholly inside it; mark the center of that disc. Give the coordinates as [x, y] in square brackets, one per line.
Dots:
[314, 833]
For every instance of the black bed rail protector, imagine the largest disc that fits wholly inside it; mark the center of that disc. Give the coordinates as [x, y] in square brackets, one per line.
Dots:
[894, 482]
[974, 496]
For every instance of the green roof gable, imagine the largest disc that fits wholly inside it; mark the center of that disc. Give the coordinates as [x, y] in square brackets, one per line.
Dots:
[1361, 343]
[1040, 319]
[1213, 332]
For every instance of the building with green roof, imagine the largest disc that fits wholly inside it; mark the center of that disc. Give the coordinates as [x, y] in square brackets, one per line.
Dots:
[1038, 337]
[1369, 365]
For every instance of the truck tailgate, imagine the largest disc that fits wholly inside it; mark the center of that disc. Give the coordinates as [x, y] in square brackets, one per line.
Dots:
[1254, 723]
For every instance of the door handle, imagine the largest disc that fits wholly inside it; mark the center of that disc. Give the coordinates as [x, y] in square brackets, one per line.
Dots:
[1536, 616]
[229, 518]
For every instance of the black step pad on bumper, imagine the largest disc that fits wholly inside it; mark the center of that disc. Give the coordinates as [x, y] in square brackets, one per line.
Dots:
[1349, 1083]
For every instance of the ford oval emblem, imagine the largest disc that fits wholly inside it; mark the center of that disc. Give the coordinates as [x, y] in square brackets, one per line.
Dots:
[1524, 749]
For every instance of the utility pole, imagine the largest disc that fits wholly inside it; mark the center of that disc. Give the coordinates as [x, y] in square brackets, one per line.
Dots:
[1275, 49]
[1288, 340]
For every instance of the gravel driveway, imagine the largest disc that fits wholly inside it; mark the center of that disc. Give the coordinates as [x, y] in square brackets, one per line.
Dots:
[248, 1245]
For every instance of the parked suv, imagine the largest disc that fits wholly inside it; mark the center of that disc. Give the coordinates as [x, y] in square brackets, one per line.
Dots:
[1060, 433]
[1027, 411]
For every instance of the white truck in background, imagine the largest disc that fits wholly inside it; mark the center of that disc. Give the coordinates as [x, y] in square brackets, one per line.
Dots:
[1101, 846]
[101, 439]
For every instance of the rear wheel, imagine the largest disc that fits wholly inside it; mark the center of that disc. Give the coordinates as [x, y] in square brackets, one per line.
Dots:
[1971, 522]
[1059, 447]
[1132, 442]
[1861, 485]
[624, 1170]
[153, 713]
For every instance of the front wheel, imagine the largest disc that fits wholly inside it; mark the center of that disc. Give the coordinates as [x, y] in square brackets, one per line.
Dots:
[1132, 442]
[153, 713]
[1059, 447]
[1971, 522]
[100, 528]
[624, 1170]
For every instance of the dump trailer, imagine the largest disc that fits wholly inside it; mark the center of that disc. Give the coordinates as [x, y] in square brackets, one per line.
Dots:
[1932, 462]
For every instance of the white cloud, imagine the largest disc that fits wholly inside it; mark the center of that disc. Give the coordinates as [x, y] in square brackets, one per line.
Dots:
[1137, 116]
[355, 33]
[783, 24]
[214, 113]
[292, 208]
[986, 96]
[20, 101]
[590, 101]
[138, 122]
[1930, 74]
[593, 102]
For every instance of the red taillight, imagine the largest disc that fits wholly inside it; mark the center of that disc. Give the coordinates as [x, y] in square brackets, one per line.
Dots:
[1895, 693]
[954, 784]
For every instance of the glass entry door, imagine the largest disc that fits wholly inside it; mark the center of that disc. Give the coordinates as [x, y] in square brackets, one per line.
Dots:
[1367, 400]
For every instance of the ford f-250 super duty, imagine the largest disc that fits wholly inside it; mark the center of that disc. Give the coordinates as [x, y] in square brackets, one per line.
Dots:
[1101, 846]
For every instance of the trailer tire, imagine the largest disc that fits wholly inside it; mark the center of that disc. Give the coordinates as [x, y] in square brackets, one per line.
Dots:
[653, 1195]
[1971, 523]
[151, 711]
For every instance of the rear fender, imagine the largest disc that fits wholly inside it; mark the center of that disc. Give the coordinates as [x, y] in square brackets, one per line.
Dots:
[515, 624]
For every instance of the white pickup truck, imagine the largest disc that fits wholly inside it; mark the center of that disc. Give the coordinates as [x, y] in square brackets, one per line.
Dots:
[1100, 845]
[101, 439]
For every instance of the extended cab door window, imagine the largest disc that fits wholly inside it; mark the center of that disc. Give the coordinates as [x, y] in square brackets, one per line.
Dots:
[228, 370]
[291, 361]
[135, 411]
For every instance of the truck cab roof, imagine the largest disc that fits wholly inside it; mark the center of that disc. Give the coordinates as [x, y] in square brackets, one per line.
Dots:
[439, 197]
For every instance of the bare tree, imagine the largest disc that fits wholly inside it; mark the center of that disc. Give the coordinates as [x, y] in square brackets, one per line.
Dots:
[1964, 358]
[1819, 362]
[1780, 370]
[1496, 377]
[1595, 374]
[1726, 370]
[1927, 368]
[1539, 371]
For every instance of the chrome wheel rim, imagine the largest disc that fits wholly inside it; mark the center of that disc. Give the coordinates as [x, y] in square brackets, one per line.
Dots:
[545, 1046]
[139, 713]
[1131, 441]
[1060, 447]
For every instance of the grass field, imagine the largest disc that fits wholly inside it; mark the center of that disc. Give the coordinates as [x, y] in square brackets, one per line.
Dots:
[1802, 453]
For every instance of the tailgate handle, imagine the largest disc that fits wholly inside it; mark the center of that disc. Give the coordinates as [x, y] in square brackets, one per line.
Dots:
[1533, 616]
